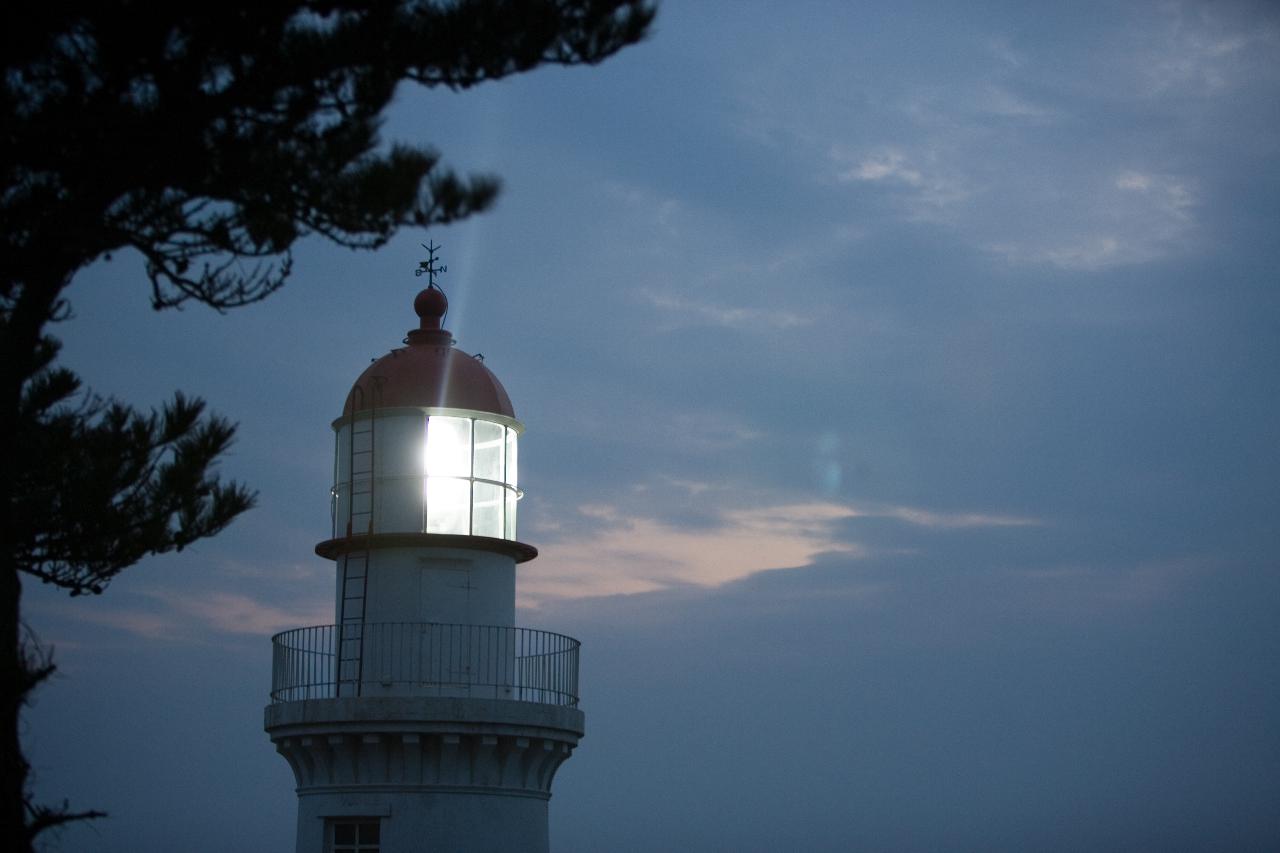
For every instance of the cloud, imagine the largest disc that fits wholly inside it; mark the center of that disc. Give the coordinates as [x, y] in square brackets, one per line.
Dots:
[1169, 195]
[1058, 210]
[148, 624]
[190, 615]
[698, 263]
[660, 213]
[1002, 49]
[631, 553]
[639, 554]
[996, 100]
[699, 266]
[276, 571]
[887, 164]
[1126, 217]
[953, 520]
[233, 613]
[1015, 147]
[1074, 591]
[926, 189]
[685, 312]
[1201, 50]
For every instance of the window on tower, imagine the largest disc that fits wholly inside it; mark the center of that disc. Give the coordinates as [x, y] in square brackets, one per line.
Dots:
[470, 485]
[450, 471]
[354, 835]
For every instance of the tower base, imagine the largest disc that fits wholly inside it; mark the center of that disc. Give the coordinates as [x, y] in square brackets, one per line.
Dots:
[431, 773]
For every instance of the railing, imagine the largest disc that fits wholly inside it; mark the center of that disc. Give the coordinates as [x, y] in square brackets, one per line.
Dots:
[424, 659]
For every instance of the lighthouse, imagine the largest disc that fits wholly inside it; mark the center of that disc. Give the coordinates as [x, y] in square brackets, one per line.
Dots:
[423, 718]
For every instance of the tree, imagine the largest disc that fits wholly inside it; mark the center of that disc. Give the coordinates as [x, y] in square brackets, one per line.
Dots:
[209, 137]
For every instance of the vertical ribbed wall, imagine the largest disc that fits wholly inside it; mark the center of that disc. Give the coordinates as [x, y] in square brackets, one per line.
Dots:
[439, 773]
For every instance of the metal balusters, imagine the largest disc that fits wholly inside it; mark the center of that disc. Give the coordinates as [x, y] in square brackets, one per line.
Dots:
[429, 659]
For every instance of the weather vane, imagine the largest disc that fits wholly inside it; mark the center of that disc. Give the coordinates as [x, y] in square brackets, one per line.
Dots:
[429, 265]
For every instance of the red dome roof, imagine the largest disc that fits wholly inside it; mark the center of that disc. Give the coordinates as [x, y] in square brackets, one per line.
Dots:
[429, 371]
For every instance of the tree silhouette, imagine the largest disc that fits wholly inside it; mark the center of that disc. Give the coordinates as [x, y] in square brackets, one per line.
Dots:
[209, 137]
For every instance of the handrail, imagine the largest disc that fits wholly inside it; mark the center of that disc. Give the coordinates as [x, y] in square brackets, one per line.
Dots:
[424, 659]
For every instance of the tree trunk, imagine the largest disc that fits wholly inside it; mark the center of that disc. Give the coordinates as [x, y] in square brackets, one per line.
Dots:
[21, 328]
[14, 677]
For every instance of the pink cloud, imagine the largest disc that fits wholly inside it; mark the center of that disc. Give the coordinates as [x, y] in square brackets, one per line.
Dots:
[638, 554]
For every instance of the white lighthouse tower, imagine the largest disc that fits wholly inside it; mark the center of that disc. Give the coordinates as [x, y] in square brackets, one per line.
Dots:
[424, 719]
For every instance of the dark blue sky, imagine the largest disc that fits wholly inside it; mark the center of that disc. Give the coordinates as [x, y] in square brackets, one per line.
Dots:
[901, 391]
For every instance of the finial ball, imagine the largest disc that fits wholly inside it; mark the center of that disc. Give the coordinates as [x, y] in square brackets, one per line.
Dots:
[431, 304]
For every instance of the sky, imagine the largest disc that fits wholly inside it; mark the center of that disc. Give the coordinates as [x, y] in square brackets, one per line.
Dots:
[900, 383]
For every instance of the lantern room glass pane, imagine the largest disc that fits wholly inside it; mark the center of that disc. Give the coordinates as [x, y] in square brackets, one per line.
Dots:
[486, 511]
[509, 520]
[448, 505]
[511, 457]
[490, 441]
[448, 451]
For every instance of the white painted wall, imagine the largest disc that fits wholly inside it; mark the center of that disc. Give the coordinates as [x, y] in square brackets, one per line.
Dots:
[429, 584]
[419, 821]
